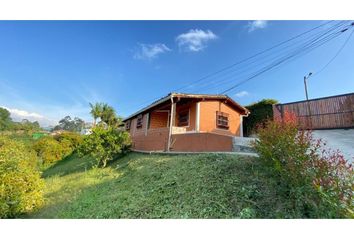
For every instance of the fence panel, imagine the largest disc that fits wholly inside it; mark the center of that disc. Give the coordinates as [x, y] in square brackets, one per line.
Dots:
[321, 113]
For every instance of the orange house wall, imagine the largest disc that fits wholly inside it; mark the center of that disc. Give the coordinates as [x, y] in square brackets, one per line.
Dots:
[208, 111]
[209, 139]
[201, 142]
[158, 119]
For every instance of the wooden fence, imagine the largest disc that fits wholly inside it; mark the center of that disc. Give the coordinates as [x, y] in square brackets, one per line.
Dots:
[321, 113]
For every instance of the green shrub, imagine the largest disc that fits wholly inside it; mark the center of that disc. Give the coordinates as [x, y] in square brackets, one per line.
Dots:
[20, 183]
[319, 182]
[260, 112]
[74, 139]
[105, 144]
[50, 150]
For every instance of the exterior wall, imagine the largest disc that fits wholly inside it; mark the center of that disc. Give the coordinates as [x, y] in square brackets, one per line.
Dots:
[155, 137]
[159, 119]
[155, 140]
[208, 111]
[201, 142]
[150, 139]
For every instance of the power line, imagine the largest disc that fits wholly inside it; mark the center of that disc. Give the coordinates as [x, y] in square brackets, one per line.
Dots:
[318, 36]
[310, 47]
[230, 67]
[255, 55]
[336, 55]
[249, 58]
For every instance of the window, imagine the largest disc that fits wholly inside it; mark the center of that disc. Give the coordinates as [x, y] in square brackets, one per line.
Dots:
[183, 118]
[127, 125]
[139, 121]
[222, 120]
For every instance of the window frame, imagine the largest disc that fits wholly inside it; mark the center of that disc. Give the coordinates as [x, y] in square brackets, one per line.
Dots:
[139, 121]
[128, 125]
[188, 117]
[222, 115]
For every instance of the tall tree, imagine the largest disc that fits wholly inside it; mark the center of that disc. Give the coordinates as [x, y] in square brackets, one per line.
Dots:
[96, 111]
[108, 114]
[69, 124]
[5, 120]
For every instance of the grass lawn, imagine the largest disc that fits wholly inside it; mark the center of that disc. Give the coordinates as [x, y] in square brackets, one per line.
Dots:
[161, 186]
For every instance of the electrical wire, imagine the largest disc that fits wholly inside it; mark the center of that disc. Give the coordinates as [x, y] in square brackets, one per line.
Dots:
[310, 47]
[310, 43]
[335, 56]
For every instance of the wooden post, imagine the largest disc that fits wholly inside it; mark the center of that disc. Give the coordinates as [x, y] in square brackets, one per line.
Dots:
[147, 123]
[172, 120]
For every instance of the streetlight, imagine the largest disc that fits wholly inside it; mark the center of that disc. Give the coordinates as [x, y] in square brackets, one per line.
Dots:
[307, 99]
[305, 78]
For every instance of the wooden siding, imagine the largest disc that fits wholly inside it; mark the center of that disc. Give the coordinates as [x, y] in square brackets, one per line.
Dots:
[322, 113]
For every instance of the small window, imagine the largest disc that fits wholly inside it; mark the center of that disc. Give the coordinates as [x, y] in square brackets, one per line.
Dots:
[139, 121]
[127, 125]
[183, 118]
[222, 120]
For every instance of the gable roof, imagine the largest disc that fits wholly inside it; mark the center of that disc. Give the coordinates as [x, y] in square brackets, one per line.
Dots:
[243, 110]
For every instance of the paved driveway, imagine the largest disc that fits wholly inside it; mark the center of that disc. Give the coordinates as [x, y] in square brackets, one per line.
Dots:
[338, 139]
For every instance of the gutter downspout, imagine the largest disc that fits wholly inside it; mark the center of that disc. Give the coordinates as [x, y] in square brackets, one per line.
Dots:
[171, 124]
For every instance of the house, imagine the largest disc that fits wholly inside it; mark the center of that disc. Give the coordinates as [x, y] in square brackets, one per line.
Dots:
[86, 131]
[187, 123]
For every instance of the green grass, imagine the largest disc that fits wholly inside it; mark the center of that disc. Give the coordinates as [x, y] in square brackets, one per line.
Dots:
[161, 186]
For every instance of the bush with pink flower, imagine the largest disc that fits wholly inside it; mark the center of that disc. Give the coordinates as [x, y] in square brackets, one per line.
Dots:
[319, 181]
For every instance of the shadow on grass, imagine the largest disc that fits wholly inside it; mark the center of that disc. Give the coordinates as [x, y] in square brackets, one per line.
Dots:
[75, 164]
[70, 164]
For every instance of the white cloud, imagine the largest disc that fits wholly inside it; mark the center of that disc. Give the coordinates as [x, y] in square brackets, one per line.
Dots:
[150, 51]
[258, 24]
[242, 94]
[17, 115]
[195, 40]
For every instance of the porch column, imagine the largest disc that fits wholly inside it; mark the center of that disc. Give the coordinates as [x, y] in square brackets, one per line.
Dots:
[172, 123]
[241, 125]
[197, 119]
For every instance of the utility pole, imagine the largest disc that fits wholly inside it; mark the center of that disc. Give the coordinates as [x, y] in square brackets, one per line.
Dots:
[307, 99]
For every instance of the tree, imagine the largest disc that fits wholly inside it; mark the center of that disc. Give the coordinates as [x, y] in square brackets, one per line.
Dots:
[107, 141]
[105, 144]
[260, 112]
[96, 111]
[5, 120]
[106, 113]
[69, 124]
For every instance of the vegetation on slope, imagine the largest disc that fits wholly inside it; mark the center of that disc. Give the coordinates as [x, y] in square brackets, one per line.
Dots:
[162, 186]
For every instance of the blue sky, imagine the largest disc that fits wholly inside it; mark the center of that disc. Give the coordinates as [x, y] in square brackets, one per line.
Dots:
[50, 69]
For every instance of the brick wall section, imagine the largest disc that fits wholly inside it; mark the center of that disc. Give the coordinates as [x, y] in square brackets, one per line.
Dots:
[158, 119]
[156, 140]
[201, 142]
[208, 111]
